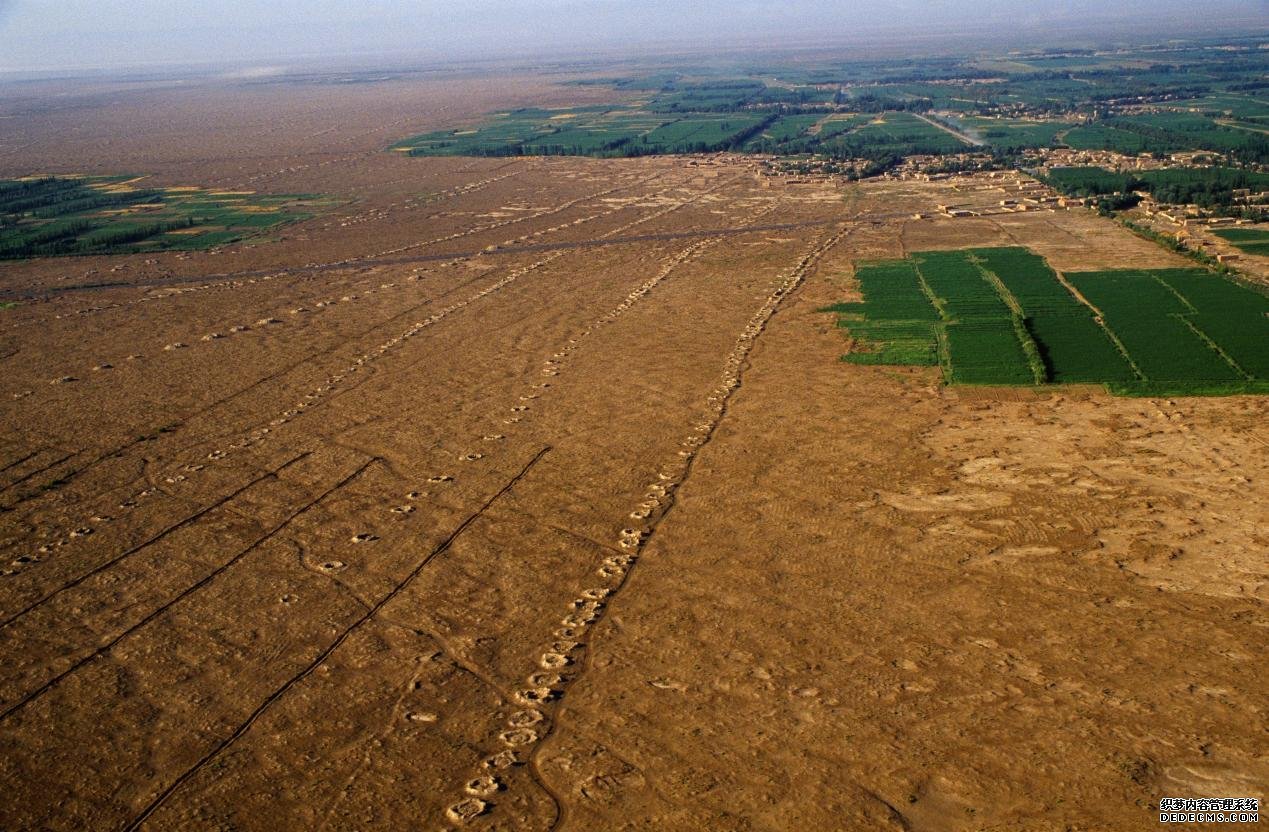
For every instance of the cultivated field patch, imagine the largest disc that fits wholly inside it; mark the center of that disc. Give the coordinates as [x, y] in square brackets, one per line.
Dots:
[591, 131]
[1168, 132]
[896, 319]
[1013, 134]
[1113, 100]
[60, 215]
[1248, 240]
[661, 127]
[1002, 316]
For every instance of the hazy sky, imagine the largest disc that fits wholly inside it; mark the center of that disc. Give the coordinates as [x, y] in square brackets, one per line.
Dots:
[71, 34]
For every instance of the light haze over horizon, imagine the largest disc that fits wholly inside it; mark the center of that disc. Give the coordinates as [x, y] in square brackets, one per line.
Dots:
[37, 35]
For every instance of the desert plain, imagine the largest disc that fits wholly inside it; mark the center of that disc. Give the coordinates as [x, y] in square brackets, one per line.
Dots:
[532, 494]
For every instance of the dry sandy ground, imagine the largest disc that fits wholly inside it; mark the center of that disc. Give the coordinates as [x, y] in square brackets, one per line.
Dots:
[369, 527]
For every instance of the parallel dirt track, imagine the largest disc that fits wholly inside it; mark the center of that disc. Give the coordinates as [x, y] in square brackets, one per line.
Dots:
[531, 494]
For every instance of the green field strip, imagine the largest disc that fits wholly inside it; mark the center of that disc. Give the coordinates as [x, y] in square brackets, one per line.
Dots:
[1073, 347]
[963, 291]
[593, 131]
[1164, 132]
[1189, 319]
[894, 342]
[1243, 235]
[1193, 324]
[700, 133]
[838, 125]
[1039, 371]
[986, 351]
[1234, 317]
[1014, 134]
[1247, 240]
[899, 133]
[1168, 389]
[893, 290]
[783, 130]
[987, 341]
[896, 322]
[1102, 137]
[1146, 317]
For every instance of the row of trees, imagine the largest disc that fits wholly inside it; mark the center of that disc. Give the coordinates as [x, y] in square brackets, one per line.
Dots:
[83, 237]
[627, 146]
[1205, 187]
[50, 198]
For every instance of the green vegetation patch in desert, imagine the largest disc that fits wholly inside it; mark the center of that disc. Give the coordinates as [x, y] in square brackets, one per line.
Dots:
[1248, 240]
[49, 216]
[1003, 316]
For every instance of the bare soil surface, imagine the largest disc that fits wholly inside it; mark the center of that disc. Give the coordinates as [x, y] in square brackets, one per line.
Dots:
[531, 494]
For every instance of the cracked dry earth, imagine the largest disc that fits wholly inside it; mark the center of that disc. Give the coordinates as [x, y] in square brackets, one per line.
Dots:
[543, 502]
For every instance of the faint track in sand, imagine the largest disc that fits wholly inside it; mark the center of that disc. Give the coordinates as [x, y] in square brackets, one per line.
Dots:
[21, 460]
[323, 391]
[31, 475]
[497, 250]
[180, 524]
[109, 645]
[219, 748]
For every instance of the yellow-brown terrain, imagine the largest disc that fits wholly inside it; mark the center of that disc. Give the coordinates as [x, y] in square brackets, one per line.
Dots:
[531, 494]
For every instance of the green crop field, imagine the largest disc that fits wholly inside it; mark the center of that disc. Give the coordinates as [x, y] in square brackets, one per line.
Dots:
[1002, 316]
[711, 96]
[661, 129]
[1235, 105]
[986, 341]
[62, 215]
[591, 131]
[1072, 345]
[986, 351]
[1150, 320]
[1249, 240]
[898, 133]
[1010, 134]
[895, 323]
[1169, 132]
[1232, 316]
[1205, 94]
[783, 133]
[1107, 137]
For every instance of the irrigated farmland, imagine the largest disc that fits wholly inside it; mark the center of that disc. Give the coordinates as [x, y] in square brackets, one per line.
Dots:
[52, 215]
[1249, 240]
[1006, 318]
